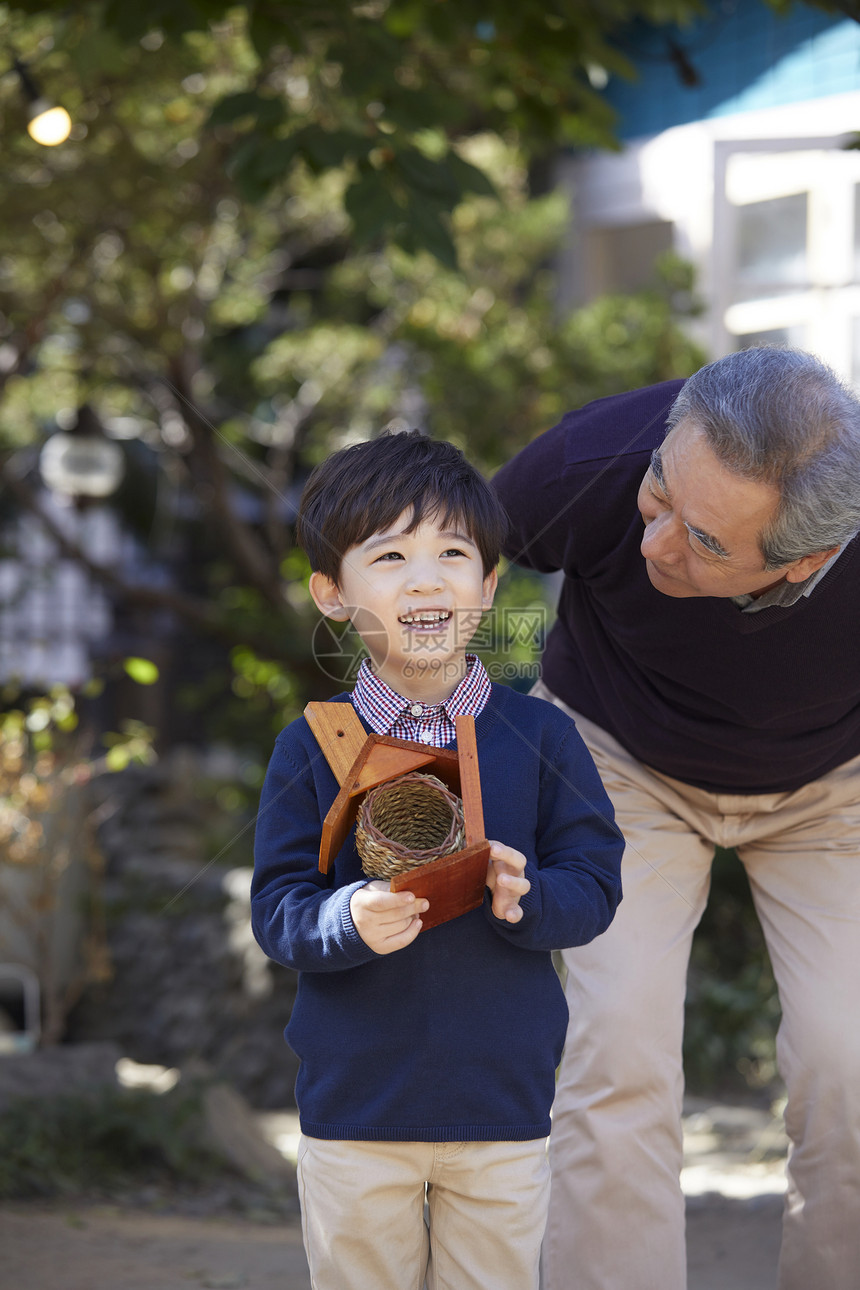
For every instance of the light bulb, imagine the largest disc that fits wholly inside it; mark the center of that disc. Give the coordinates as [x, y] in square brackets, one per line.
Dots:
[49, 125]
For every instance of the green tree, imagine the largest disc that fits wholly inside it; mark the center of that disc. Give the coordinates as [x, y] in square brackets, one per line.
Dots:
[238, 317]
[385, 90]
[275, 227]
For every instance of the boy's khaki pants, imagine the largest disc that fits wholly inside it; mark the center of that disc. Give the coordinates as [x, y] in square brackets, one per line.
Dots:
[617, 1213]
[363, 1214]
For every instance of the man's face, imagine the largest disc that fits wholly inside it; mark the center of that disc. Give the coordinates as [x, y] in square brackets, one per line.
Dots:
[703, 523]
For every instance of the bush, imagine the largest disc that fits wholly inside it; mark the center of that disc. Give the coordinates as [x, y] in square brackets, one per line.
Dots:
[104, 1141]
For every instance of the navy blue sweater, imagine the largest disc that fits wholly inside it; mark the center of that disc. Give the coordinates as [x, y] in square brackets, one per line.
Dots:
[457, 1036]
[727, 701]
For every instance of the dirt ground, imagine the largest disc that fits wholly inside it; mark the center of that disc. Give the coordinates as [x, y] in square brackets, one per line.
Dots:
[733, 1246]
[733, 1177]
[72, 1247]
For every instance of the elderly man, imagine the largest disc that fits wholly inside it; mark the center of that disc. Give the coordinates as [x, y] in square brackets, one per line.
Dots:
[707, 645]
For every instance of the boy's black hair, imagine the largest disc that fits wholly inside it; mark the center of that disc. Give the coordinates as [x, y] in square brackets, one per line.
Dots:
[361, 490]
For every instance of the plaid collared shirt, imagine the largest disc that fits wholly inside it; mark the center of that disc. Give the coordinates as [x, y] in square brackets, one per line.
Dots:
[389, 713]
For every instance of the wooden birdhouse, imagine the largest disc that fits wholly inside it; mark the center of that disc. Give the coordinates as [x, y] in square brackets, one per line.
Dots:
[453, 883]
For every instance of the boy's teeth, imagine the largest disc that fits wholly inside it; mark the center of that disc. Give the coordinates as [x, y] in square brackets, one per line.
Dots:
[427, 617]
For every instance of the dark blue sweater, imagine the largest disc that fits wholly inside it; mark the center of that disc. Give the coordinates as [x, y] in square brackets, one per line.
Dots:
[731, 702]
[457, 1036]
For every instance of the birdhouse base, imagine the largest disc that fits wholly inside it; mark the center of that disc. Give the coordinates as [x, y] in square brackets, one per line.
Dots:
[453, 884]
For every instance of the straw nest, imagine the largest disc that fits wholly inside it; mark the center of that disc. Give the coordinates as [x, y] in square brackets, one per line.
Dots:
[407, 822]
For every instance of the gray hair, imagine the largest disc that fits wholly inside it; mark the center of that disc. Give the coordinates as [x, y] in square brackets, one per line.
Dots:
[781, 416]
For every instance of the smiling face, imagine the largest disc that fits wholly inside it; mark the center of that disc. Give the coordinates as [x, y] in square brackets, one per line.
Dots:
[416, 599]
[703, 523]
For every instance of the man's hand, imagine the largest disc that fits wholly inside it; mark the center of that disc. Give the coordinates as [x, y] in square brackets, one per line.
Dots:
[386, 920]
[505, 880]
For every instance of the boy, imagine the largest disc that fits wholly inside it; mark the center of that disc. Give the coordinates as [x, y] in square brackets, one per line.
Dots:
[427, 1061]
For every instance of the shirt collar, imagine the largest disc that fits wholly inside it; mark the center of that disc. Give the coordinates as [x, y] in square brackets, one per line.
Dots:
[381, 706]
[787, 593]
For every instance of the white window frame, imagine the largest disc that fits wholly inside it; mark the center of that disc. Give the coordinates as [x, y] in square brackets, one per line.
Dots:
[827, 306]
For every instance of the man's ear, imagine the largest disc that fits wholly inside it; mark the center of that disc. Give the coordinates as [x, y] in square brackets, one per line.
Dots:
[808, 564]
[326, 597]
[488, 590]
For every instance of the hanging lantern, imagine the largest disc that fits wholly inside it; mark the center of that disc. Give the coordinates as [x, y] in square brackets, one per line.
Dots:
[82, 461]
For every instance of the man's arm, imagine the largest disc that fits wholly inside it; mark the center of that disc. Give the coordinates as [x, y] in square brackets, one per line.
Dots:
[532, 491]
[553, 489]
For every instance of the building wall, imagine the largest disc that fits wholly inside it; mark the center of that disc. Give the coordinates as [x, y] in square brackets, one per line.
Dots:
[761, 194]
[744, 58]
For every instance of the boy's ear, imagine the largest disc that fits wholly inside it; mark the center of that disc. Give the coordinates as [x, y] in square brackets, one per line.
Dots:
[489, 589]
[326, 597]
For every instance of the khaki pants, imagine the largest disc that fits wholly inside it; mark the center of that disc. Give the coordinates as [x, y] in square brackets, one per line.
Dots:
[617, 1213]
[363, 1206]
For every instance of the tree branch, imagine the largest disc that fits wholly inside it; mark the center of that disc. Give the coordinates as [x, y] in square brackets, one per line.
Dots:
[191, 609]
[250, 555]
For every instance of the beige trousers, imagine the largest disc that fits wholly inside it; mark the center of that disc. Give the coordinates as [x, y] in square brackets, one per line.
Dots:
[363, 1214]
[617, 1213]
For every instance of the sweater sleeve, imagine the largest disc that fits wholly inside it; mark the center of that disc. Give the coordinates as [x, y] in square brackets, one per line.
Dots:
[299, 920]
[575, 870]
[554, 489]
[534, 494]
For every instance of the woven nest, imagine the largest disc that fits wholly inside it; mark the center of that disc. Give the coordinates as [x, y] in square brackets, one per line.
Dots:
[407, 822]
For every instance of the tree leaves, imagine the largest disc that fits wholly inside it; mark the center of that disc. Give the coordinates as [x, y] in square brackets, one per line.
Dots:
[174, 17]
[266, 111]
[261, 163]
[242, 267]
[141, 670]
[372, 207]
[407, 201]
[333, 83]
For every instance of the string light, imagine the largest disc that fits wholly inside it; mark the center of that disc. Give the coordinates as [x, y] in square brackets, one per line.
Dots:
[50, 126]
[48, 123]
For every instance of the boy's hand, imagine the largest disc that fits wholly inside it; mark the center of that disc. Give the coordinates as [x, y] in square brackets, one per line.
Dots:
[386, 920]
[505, 880]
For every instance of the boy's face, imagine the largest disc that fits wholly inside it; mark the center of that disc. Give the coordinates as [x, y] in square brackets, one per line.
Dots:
[415, 599]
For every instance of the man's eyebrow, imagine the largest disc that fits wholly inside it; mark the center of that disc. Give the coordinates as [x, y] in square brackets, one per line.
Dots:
[707, 540]
[657, 470]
